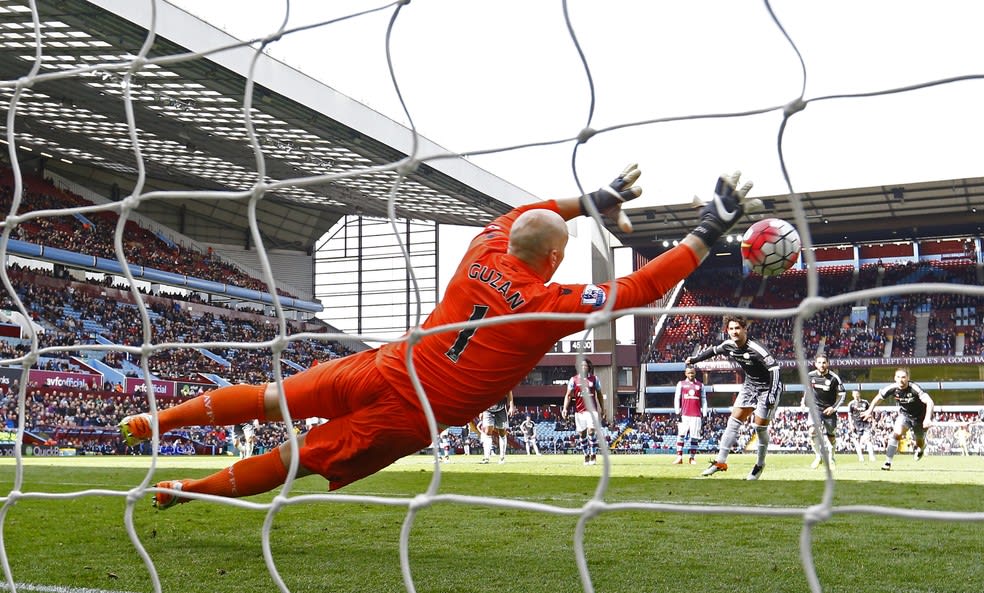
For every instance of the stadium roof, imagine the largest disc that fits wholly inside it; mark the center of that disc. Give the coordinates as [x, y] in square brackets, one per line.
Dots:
[189, 116]
[934, 209]
[193, 137]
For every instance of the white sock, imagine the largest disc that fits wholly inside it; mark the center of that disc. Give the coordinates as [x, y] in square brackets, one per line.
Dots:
[813, 445]
[893, 448]
[728, 439]
[763, 443]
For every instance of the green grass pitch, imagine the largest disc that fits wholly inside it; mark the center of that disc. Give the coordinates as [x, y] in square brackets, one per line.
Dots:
[81, 544]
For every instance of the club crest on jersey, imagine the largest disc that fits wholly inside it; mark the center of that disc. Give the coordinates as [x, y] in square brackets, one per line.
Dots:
[592, 295]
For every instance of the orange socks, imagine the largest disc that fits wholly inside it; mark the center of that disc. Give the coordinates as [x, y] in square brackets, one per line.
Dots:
[232, 404]
[253, 475]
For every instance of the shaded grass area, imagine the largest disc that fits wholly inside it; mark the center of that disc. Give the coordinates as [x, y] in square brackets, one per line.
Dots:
[328, 545]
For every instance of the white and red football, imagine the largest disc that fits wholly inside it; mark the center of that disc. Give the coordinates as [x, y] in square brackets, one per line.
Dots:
[770, 247]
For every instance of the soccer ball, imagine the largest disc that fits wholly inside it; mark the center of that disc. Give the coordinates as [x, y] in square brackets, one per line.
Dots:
[770, 246]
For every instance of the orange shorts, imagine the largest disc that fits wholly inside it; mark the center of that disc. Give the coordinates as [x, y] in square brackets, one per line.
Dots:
[370, 425]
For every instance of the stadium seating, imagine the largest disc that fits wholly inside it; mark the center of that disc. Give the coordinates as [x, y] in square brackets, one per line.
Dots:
[94, 235]
[74, 312]
[897, 326]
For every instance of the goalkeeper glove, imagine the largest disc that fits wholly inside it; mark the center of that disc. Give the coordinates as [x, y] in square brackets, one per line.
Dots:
[724, 210]
[608, 200]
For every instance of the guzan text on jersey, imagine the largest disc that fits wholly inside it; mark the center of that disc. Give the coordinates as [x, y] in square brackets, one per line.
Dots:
[495, 279]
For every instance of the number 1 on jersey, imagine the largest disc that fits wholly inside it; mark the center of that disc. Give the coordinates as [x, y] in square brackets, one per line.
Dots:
[454, 352]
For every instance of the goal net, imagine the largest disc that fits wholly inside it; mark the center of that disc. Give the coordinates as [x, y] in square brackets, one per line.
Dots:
[590, 124]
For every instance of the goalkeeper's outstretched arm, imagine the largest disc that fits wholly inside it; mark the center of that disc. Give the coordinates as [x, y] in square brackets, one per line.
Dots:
[716, 218]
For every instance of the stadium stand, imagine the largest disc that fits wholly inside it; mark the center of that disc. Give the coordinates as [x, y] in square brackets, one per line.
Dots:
[94, 235]
[85, 419]
[897, 326]
[69, 311]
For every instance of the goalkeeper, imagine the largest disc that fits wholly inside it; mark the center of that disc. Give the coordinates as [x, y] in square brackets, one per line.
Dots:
[375, 416]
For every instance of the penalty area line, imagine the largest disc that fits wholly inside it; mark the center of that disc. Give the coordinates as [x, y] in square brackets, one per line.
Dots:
[34, 588]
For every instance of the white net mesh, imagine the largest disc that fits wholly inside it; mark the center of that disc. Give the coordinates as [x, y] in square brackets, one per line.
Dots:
[771, 123]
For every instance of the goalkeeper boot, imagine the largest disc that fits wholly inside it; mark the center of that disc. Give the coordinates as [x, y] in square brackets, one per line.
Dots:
[755, 473]
[165, 500]
[678, 460]
[887, 466]
[919, 453]
[135, 429]
[715, 467]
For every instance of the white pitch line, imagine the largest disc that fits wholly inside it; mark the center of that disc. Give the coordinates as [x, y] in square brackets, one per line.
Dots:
[57, 589]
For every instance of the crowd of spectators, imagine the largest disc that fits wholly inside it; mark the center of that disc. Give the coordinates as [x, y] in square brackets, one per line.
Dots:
[74, 313]
[85, 419]
[888, 327]
[71, 313]
[94, 234]
[60, 306]
[789, 432]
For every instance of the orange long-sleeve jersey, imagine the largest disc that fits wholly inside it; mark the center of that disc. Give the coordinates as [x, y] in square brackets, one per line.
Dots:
[466, 370]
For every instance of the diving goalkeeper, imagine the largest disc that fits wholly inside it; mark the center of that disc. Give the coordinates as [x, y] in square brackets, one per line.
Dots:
[375, 416]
